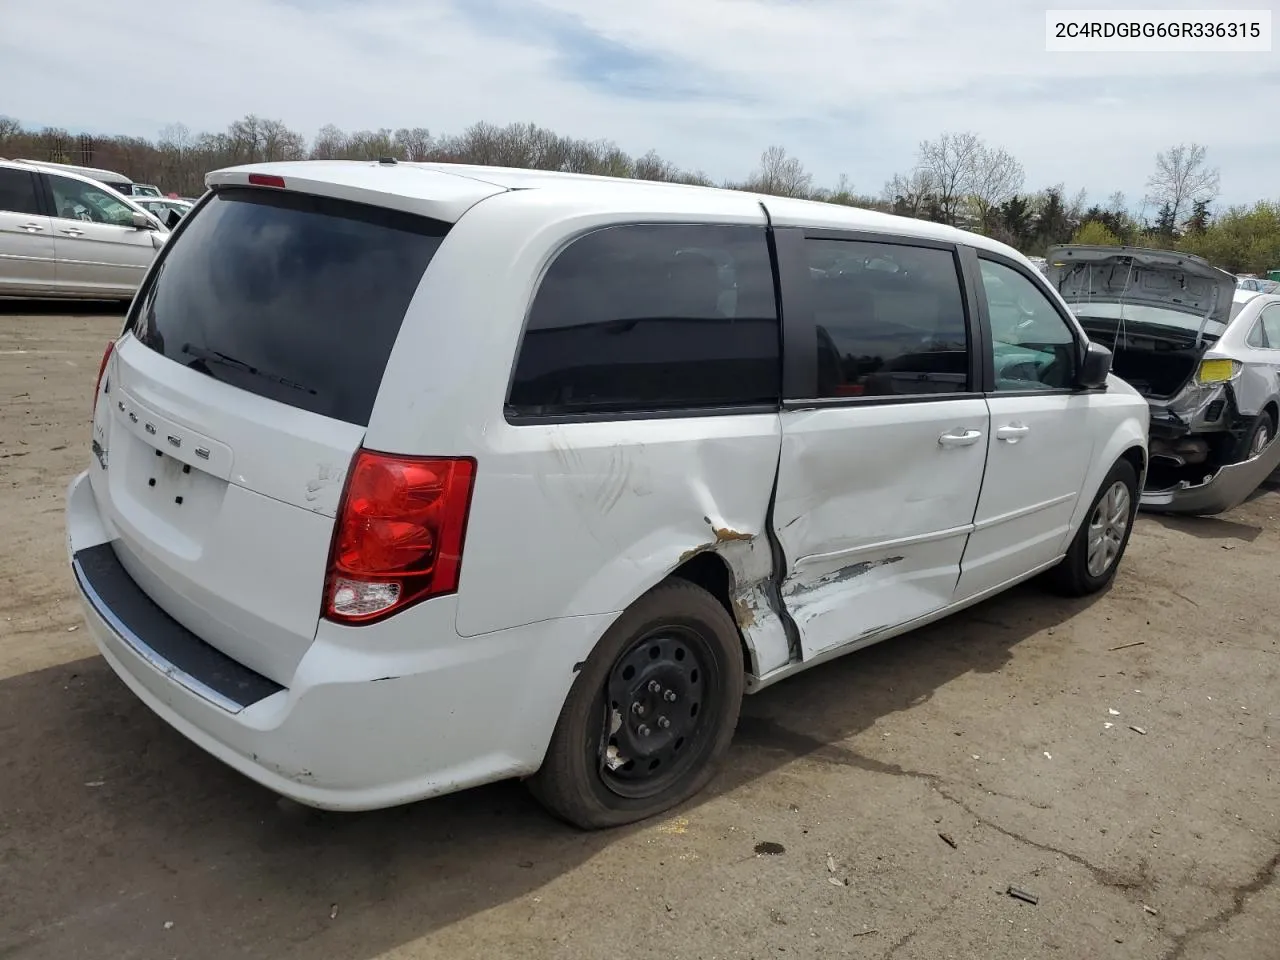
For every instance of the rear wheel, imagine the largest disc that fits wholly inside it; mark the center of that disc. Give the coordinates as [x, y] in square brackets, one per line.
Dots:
[1257, 438]
[1094, 554]
[650, 715]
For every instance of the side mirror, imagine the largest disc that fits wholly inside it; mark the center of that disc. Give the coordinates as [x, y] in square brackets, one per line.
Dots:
[171, 221]
[141, 222]
[1096, 366]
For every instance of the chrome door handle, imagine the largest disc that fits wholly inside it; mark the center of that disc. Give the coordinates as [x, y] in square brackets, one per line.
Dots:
[31, 227]
[963, 438]
[73, 231]
[1012, 432]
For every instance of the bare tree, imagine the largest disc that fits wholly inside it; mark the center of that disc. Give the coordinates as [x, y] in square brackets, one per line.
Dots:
[244, 139]
[908, 194]
[1181, 179]
[1077, 204]
[370, 145]
[997, 175]
[177, 162]
[951, 165]
[414, 143]
[281, 143]
[175, 137]
[613, 161]
[10, 129]
[653, 167]
[330, 144]
[841, 193]
[781, 175]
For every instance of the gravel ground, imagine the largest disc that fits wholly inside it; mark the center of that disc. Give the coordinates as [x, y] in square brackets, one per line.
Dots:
[1008, 729]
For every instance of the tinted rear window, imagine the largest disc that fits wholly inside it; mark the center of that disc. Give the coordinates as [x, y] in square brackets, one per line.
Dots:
[17, 191]
[652, 317]
[890, 318]
[292, 297]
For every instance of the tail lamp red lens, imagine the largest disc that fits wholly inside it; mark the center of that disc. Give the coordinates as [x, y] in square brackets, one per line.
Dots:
[102, 368]
[399, 534]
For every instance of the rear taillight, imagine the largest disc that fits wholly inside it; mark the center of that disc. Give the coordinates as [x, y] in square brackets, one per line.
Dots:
[399, 533]
[102, 368]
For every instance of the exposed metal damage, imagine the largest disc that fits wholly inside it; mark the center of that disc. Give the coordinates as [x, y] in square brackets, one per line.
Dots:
[754, 599]
[848, 572]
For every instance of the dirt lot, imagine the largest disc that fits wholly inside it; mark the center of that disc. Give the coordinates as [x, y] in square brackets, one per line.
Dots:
[1008, 728]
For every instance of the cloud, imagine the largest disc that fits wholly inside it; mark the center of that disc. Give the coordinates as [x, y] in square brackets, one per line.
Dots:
[849, 86]
[592, 59]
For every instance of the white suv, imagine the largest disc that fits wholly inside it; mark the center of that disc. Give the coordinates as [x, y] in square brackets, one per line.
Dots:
[410, 477]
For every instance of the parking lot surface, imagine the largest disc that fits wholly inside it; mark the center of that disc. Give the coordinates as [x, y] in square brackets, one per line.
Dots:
[1114, 758]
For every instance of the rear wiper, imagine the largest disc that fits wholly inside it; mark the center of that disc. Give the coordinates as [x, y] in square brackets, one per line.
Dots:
[203, 355]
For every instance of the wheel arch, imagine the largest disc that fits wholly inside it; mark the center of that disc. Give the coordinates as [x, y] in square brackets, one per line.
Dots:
[1127, 440]
[710, 571]
[1137, 456]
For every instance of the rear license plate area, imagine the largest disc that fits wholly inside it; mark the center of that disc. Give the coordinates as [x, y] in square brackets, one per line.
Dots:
[153, 488]
[168, 478]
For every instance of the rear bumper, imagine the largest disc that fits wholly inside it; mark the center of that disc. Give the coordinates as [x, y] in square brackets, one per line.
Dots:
[1228, 487]
[373, 717]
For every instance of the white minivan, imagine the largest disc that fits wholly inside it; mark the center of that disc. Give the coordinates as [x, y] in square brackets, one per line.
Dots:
[412, 477]
[65, 235]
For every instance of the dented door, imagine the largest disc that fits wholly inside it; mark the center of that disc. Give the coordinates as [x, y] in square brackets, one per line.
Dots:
[873, 513]
[884, 432]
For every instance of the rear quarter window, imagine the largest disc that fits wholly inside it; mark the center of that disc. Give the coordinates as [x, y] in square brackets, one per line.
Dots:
[295, 298]
[18, 192]
[890, 319]
[651, 317]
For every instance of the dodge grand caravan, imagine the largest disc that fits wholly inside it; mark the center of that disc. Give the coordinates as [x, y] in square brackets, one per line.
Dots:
[411, 477]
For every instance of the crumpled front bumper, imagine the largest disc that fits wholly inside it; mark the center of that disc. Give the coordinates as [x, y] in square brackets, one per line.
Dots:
[1228, 487]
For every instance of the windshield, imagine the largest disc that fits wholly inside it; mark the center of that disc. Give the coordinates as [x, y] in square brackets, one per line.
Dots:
[295, 298]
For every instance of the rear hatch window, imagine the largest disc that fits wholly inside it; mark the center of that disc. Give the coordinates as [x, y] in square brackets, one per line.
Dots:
[293, 297]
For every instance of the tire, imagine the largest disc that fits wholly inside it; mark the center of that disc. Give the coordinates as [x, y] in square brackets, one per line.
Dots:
[1261, 433]
[1073, 577]
[679, 637]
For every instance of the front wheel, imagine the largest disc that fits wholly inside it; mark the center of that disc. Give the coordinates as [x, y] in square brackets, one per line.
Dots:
[1091, 560]
[650, 715]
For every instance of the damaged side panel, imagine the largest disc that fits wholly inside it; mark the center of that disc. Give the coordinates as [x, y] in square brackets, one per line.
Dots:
[874, 507]
[595, 513]
[754, 600]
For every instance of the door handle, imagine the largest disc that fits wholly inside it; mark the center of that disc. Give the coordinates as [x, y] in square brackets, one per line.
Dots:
[73, 231]
[31, 227]
[962, 438]
[1012, 432]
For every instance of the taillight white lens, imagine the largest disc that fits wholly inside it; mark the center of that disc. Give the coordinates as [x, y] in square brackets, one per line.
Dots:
[399, 534]
[356, 599]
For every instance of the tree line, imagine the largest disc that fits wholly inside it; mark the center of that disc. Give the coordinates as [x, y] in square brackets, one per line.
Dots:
[956, 178]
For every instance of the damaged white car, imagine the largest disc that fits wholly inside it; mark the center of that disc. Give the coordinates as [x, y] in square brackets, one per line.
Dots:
[1206, 357]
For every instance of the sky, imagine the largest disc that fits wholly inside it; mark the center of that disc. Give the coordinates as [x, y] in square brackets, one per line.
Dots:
[847, 86]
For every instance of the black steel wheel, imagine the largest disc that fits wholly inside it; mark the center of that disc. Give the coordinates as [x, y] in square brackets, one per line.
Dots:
[654, 716]
[651, 713]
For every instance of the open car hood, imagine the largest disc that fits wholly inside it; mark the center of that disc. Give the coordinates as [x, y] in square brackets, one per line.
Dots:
[1135, 275]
